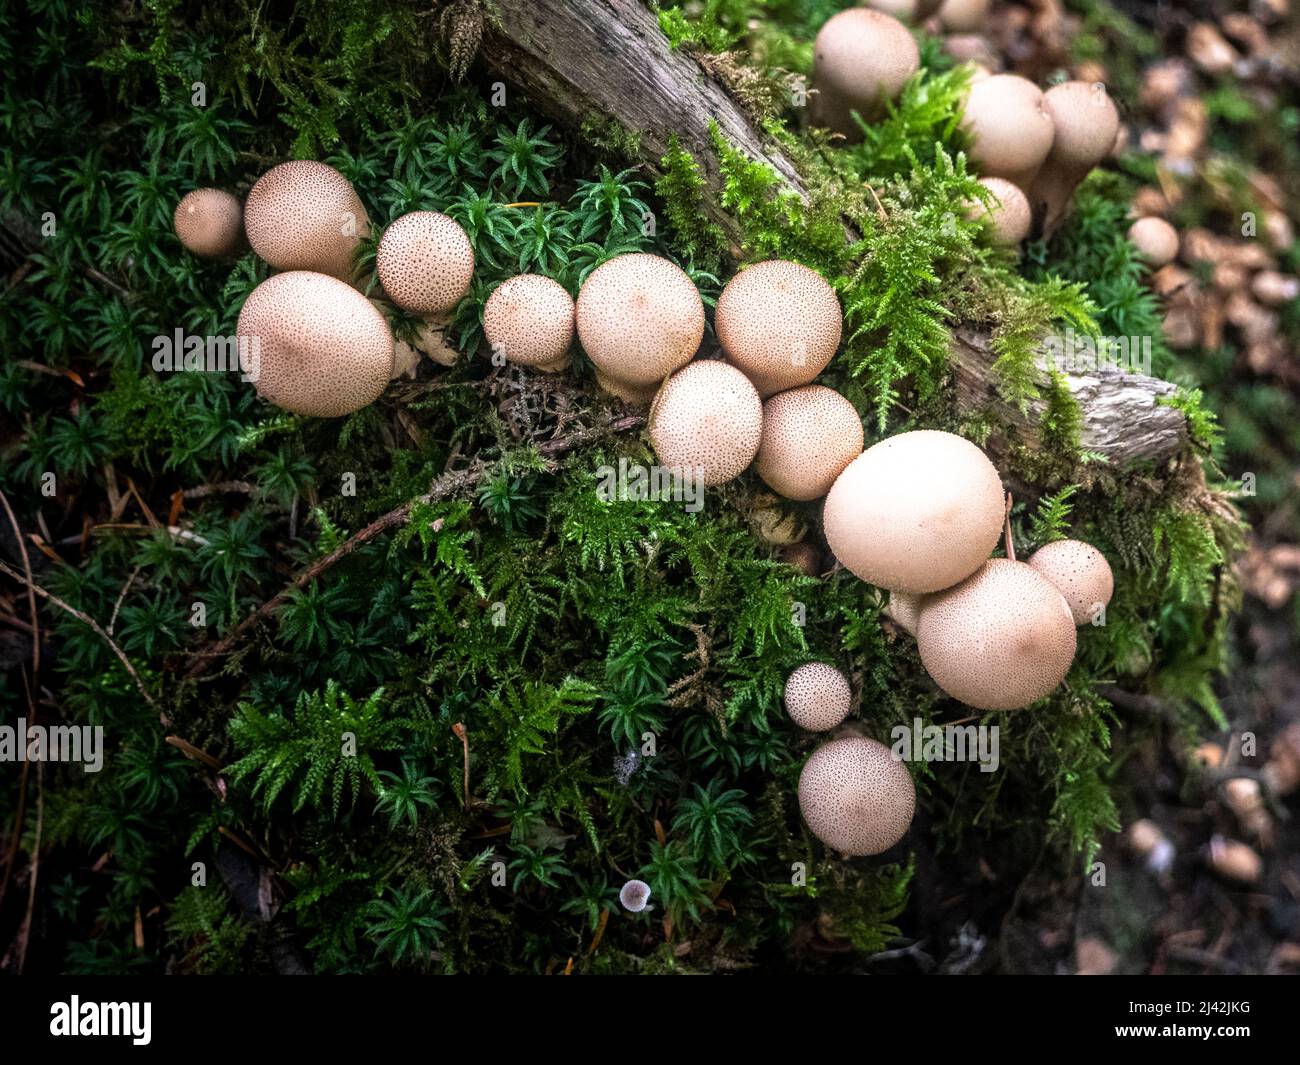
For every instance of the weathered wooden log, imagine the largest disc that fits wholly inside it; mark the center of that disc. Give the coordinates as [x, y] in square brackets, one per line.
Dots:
[607, 59]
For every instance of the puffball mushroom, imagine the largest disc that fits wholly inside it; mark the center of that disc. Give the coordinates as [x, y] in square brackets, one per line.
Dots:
[324, 349]
[809, 435]
[817, 696]
[529, 319]
[860, 59]
[905, 609]
[1001, 639]
[304, 215]
[964, 16]
[1009, 220]
[639, 318]
[210, 223]
[917, 512]
[1086, 123]
[780, 323]
[913, 11]
[425, 263]
[1155, 239]
[634, 896]
[1079, 572]
[1010, 128]
[856, 797]
[707, 416]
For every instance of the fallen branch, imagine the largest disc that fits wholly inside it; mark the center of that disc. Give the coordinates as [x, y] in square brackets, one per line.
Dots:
[446, 486]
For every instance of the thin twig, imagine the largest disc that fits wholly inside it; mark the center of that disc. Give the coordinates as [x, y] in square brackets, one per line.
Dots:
[121, 598]
[221, 488]
[462, 734]
[190, 751]
[31, 596]
[447, 485]
[1008, 540]
[85, 619]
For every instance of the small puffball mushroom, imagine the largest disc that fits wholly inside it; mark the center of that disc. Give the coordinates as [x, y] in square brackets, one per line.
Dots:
[210, 223]
[1149, 843]
[809, 435]
[1009, 219]
[1080, 573]
[1234, 861]
[1156, 241]
[780, 323]
[1000, 640]
[856, 797]
[1010, 128]
[708, 417]
[817, 696]
[964, 16]
[860, 59]
[905, 609]
[1086, 123]
[425, 263]
[529, 320]
[304, 215]
[639, 318]
[323, 348]
[913, 11]
[916, 512]
[802, 556]
[634, 896]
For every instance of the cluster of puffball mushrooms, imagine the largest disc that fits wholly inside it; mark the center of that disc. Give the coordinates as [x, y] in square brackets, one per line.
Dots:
[1033, 148]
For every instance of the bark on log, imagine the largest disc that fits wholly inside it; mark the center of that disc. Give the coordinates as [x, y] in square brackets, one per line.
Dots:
[582, 59]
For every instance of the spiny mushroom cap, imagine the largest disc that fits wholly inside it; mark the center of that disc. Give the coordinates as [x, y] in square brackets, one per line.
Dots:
[529, 318]
[780, 323]
[1155, 239]
[640, 318]
[325, 350]
[707, 416]
[634, 895]
[1011, 131]
[856, 797]
[809, 435]
[1010, 218]
[425, 262]
[862, 56]
[304, 215]
[915, 513]
[817, 696]
[1085, 121]
[964, 16]
[1079, 572]
[210, 223]
[1001, 639]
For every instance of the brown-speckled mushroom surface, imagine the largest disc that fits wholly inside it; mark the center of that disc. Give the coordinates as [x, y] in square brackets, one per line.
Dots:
[210, 223]
[856, 797]
[639, 317]
[817, 696]
[425, 262]
[304, 215]
[529, 319]
[325, 351]
[707, 416]
[860, 58]
[1000, 640]
[779, 322]
[809, 435]
[1079, 572]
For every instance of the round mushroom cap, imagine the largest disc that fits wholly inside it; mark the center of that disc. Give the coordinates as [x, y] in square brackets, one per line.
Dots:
[1155, 239]
[634, 896]
[1079, 572]
[817, 696]
[964, 16]
[1009, 221]
[1086, 123]
[640, 318]
[913, 11]
[780, 323]
[1011, 131]
[210, 223]
[1001, 639]
[915, 513]
[425, 262]
[809, 435]
[304, 215]
[529, 319]
[856, 797]
[707, 416]
[860, 57]
[325, 350]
